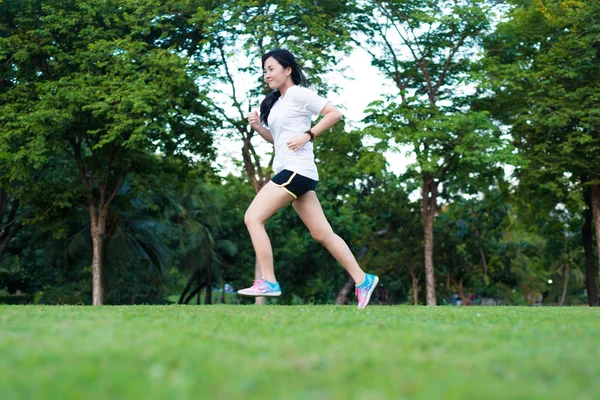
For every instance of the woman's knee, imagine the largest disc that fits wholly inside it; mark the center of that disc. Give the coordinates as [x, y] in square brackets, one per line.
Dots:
[321, 236]
[252, 219]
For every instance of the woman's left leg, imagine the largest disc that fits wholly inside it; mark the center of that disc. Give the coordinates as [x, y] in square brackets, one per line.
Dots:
[270, 199]
[309, 210]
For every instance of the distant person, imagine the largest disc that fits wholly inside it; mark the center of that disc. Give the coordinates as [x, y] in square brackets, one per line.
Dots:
[286, 114]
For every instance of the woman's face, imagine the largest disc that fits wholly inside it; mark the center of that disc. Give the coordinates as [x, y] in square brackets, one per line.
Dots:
[275, 75]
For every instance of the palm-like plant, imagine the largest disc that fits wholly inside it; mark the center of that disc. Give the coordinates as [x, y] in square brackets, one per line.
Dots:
[203, 252]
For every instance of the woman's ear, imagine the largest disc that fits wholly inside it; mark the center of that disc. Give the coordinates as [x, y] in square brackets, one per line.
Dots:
[288, 71]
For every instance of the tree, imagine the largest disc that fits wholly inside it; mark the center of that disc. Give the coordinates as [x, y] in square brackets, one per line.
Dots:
[542, 63]
[107, 82]
[427, 49]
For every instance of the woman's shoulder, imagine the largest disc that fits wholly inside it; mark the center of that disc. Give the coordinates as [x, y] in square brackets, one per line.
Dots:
[300, 92]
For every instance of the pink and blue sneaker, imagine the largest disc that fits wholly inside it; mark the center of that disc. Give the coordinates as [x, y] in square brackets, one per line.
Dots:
[365, 290]
[262, 288]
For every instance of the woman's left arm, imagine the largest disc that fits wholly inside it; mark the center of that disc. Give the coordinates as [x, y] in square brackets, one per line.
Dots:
[331, 116]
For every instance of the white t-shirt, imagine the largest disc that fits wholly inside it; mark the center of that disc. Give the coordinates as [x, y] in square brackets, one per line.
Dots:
[291, 116]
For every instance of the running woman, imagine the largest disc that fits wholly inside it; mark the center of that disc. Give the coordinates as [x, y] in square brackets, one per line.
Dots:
[286, 114]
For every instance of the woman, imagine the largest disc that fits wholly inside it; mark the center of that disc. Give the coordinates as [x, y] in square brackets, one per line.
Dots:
[286, 114]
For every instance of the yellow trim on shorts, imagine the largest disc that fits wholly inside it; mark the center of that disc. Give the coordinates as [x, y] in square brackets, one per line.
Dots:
[288, 182]
[290, 193]
[283, 185]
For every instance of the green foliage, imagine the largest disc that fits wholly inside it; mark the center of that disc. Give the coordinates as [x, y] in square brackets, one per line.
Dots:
[121, 96]
[93, 82]
[545, 86]
[429, 60]
[314, 32]
[543, 65]
[100, 79]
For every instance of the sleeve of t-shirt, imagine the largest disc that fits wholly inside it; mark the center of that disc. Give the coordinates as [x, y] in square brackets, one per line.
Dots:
[312, 102]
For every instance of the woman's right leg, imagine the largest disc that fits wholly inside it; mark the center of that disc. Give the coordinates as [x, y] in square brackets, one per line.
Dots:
[270, 199]
[309, 209]
[311, 213]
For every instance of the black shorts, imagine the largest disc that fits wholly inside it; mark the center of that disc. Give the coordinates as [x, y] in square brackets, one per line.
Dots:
[293, 183]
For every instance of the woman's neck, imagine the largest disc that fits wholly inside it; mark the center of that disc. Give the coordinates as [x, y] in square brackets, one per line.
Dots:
[284, 89]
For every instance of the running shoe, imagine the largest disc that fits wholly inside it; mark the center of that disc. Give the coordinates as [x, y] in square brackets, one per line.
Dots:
[365, 290]
[260, 288]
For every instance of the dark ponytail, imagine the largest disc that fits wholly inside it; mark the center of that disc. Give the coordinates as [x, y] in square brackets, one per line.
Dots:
[286, 59]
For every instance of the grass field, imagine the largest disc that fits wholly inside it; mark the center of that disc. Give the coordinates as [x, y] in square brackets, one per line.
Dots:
[299, 352]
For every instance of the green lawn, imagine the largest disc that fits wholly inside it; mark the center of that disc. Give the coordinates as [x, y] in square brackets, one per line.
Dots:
[299, 352]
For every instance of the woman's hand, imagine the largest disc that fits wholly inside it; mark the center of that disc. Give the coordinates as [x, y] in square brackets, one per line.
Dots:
[254, 120]
[297, 142]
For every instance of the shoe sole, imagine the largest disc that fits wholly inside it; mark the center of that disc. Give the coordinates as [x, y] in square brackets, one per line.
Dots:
[370, 292]
[270, 294]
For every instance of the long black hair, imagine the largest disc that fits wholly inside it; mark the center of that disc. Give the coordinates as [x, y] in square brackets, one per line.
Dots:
[286, 59]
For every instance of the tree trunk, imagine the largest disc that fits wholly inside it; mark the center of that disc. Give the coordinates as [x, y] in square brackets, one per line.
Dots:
[596, 201]
[428, 213]
[107, 189]
[415, 287]
[461, 293]
[5, 239]
[208, 294]
[345, 293]
[588, 247]
[565, 285]
[596, 213]
[481, 253]
[98, 218]
[97, 287]
[8, 213]
[429, 270]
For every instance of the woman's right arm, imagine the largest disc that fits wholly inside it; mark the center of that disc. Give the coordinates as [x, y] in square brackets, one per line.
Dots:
[254, 121]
